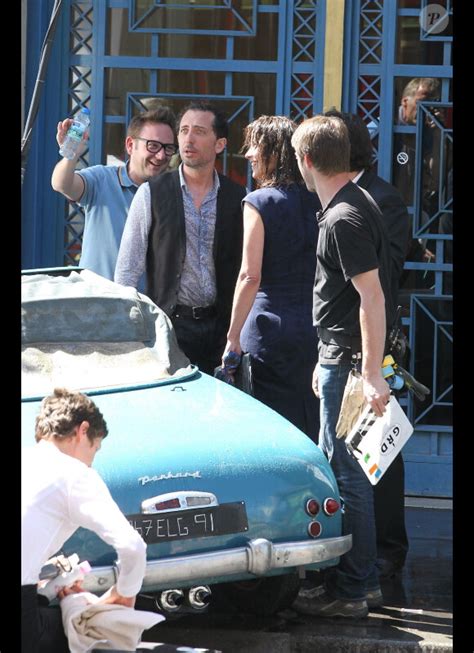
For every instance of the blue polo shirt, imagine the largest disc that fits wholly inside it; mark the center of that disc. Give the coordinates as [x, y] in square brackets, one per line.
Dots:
[106, 199]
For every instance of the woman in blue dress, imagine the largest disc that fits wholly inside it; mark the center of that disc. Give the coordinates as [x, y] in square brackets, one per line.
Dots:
[272, 308]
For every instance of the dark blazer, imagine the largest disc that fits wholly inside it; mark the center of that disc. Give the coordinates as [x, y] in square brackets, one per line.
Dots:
[167, 242]
[396, 219]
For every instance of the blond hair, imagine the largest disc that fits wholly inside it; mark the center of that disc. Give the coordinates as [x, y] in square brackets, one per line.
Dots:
[325, 140]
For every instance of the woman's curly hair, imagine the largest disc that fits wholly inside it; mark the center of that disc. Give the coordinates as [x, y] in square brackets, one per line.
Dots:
[272, 136]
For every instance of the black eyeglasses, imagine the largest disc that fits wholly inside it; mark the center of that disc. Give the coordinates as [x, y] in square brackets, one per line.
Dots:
[155, 146]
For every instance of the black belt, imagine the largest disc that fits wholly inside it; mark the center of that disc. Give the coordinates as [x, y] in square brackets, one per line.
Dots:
[196, 312]
[354, 343]
[340, 339]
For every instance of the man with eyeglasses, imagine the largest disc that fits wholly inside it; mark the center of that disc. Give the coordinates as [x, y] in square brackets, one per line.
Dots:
[106, 191]
[185, 229]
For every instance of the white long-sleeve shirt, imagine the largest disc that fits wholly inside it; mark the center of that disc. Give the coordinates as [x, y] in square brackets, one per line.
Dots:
[59, 494]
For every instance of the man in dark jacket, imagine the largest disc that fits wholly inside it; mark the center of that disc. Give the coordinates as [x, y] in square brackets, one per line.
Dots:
[186, 233]
[388, 198]
[389, 493]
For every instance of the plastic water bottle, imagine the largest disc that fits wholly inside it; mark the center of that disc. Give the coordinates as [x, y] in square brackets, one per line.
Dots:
[66, 579]
[75, 134]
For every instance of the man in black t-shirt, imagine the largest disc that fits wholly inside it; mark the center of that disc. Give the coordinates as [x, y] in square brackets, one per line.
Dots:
[389, 493]
[351, 308]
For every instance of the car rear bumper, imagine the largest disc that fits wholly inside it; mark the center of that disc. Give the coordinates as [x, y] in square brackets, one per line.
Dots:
[258, 557]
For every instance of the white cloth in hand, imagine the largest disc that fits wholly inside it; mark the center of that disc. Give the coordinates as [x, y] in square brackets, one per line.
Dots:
[88, 623]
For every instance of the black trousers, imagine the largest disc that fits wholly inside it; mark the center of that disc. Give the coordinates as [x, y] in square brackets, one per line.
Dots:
[202, 341]
[41, 626]
[389, 504]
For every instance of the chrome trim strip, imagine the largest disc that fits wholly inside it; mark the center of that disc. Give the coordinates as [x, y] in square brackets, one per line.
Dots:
[258, 558]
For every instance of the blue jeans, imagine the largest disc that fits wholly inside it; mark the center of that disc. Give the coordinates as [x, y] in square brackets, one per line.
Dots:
[356, 572]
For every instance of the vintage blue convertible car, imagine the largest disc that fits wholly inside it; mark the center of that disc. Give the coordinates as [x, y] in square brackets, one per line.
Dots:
[230, 497]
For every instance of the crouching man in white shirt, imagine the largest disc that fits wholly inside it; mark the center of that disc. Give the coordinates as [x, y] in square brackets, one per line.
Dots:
[60, 493]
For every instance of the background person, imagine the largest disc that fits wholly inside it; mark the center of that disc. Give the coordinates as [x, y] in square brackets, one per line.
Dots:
[351, 307]
[389, 493]
[106, 191]
[272, 309]
[60, 493]
[418, 89]
[184, 229]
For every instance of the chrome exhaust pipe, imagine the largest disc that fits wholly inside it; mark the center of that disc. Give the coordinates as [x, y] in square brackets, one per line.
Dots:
[170, 600]
[199, 597]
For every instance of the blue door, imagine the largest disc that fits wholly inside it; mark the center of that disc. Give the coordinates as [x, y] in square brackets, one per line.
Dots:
[398, 77]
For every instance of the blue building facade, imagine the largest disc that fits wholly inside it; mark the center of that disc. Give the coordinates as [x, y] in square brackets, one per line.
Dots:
[254, 57]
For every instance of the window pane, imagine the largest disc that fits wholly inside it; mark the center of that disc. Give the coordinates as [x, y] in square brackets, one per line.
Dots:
[225, 15]
[433, 359]
[119, 82]
[262, 87]
[256, 47]
[121, 42]
[114, 144]
[200, 82]
[410, 49]
[189, 46]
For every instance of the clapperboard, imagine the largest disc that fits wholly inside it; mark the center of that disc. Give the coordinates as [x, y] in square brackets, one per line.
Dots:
[375, 441]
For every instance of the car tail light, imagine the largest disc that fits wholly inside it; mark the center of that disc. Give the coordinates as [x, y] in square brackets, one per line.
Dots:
[314, 529]
[178, 500]
[167, 505]
[312, 507]
[331, 506]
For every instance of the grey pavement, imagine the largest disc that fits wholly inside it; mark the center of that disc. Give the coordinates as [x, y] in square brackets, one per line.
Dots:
[416, 616]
